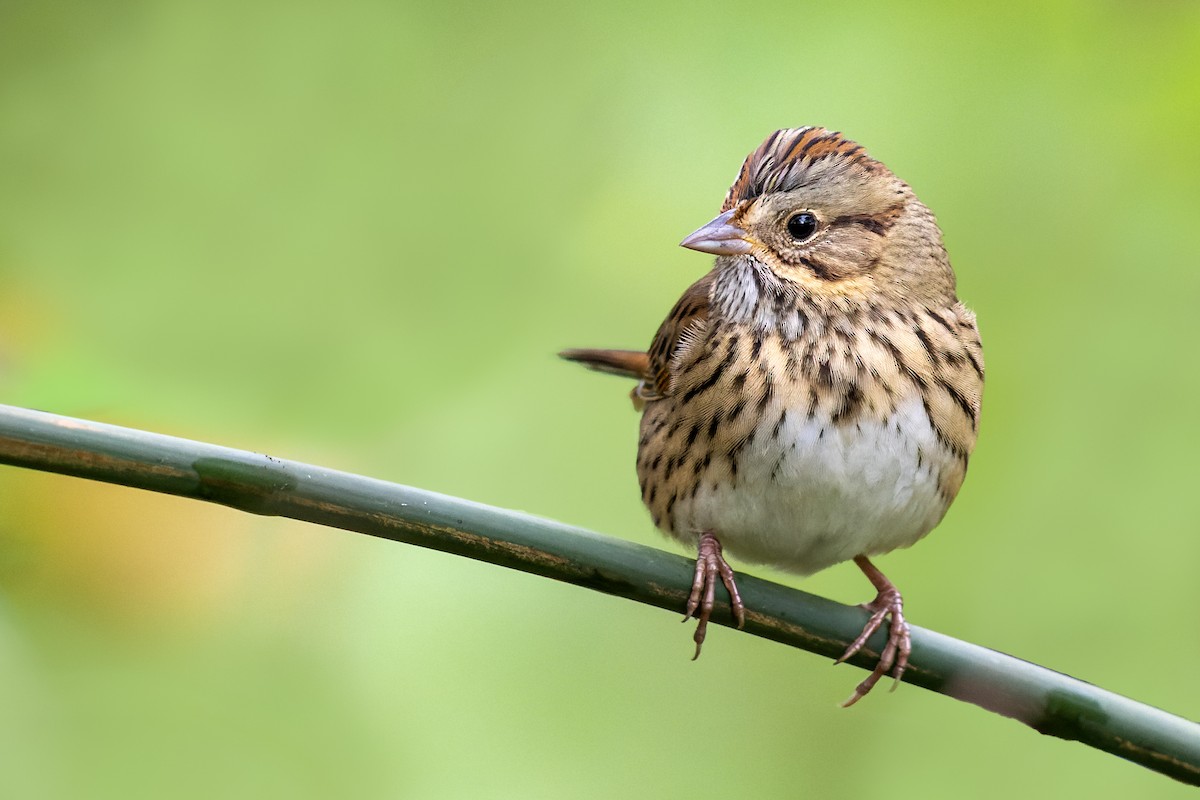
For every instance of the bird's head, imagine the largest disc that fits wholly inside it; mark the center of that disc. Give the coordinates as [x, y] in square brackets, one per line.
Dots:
[813, 210]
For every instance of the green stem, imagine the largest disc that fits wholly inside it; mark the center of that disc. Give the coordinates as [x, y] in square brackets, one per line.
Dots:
[1047, 701]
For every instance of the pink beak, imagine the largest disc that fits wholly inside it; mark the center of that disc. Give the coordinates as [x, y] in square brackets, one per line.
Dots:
[719, 237]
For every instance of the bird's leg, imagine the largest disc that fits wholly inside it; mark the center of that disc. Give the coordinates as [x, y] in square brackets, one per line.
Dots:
[710, 565]
[887, 602]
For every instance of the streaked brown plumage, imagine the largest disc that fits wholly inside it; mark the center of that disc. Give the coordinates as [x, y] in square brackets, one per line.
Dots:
[815, 397]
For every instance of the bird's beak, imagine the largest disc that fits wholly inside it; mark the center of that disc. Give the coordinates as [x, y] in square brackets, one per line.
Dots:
[719, 237]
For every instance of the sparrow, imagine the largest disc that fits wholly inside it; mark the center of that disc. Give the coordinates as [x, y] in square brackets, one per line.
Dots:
[815, 397]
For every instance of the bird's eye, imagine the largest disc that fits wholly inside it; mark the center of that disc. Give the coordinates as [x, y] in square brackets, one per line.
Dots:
[802, 226]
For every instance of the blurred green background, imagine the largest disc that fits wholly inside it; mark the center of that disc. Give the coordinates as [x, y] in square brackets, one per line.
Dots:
[355, 234]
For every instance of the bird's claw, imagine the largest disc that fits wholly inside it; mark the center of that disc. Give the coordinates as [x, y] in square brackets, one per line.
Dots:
[711, 565]
[894, 658]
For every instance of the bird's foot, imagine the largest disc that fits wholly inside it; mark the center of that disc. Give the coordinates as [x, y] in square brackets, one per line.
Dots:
[710, 565]
[894, 658]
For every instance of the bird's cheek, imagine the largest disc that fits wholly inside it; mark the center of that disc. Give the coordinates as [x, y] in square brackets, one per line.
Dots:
[849, 253]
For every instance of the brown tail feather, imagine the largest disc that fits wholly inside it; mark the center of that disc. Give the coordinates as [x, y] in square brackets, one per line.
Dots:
[626, 363]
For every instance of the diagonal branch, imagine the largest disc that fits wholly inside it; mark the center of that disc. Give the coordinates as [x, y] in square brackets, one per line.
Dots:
[1047, 701]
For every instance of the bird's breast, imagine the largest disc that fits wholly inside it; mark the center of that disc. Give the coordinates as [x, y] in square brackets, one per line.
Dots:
[795, 488]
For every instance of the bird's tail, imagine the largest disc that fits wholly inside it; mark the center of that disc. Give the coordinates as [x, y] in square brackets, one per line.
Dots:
[626, 363]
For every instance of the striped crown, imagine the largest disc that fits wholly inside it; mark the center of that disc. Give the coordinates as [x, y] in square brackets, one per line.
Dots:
[783, 162]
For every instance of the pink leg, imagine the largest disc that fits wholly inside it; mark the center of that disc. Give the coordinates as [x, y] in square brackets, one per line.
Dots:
[710, 565]
[887, 602]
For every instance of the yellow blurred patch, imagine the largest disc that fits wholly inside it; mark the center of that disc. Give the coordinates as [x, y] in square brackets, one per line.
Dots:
[147, 561]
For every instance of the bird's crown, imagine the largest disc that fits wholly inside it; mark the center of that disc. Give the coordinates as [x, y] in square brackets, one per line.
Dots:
[794, 157]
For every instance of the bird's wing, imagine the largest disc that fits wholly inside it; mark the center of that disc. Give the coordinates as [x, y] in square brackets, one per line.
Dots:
[677, 337]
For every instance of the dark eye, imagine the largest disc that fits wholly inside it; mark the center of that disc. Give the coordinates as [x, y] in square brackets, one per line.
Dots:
[802, 226]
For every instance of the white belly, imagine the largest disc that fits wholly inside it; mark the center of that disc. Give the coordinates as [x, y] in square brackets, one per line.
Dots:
[818, 495]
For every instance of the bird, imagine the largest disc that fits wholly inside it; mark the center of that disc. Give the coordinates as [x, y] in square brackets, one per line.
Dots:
[815, 397]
